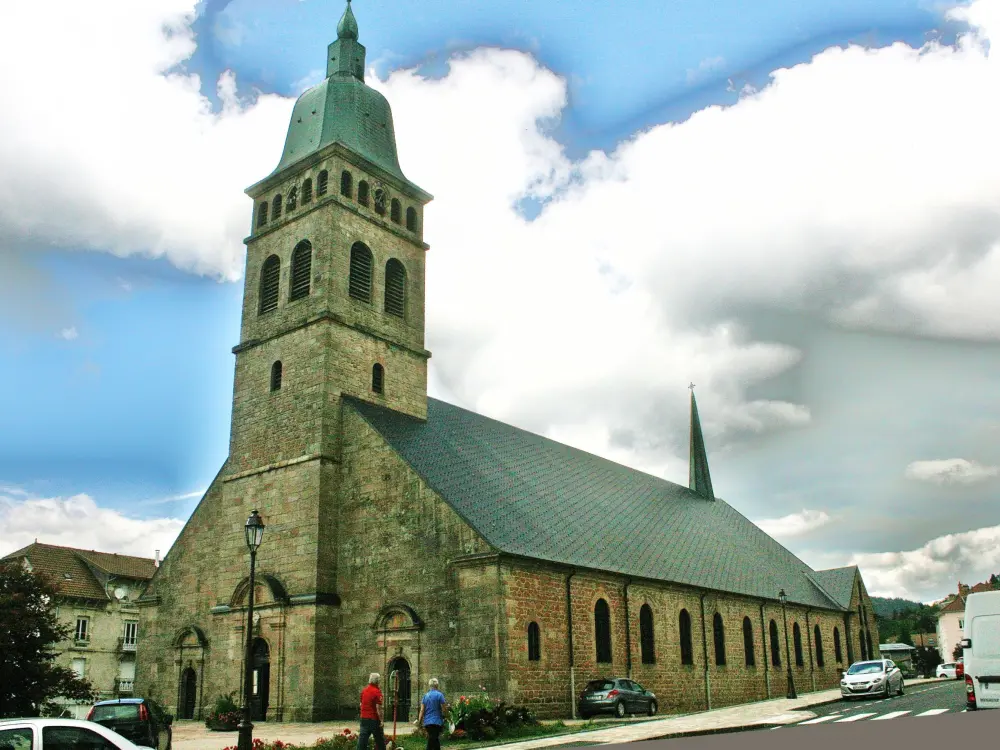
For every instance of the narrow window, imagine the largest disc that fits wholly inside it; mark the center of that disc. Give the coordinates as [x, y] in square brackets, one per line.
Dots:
[719, 636]
[360, 283]
[276, 376]
[775, 646]
[868, 639]
[131, 634]
[797, 643]
[346, 185]
[646, 641]
[836, 646]
[378, 378]
[262, 214]
[270, 275]
[602, 631]
[396, 212]
[380, 199]
[276, 207]
[293, 199]
[363, 193]
[748, 642]
[864, 651]
[818, 637]
[321, 181]
[307, 191]
[301, 270]
[82, 629]
[411, 219]
[687, 653]
[395, 288]
[534, 642]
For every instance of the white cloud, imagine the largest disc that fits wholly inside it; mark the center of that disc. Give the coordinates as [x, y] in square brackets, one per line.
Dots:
[68, 333]
[78, 521]
[794, 524]
[950, 471]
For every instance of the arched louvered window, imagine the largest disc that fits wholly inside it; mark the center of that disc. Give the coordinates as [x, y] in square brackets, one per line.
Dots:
[864, 649]
[818, 639]
[346, 184]
[719, 637]
[797, 644]
[301, 271]
[270, 277]
[307, 191]
[293, 199]
[748, 654]
[395, 288]
[363, 193]
[534, 642]
[262, 214]
[380, 199]
[775, 646]
[378, 378]
[360, 282]
[396, 211]
[321, 180]
[276, 376]
[276, 207]
[687, 652]
[411, 219]
[602, 631]
[837, 654]
[647, 644]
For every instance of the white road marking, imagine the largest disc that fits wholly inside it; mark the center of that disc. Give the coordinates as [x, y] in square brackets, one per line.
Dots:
[890, 715]
[818, 720]
[934, 712]
[853, 718]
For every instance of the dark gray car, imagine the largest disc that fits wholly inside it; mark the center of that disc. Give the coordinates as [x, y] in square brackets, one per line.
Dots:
[616, 696]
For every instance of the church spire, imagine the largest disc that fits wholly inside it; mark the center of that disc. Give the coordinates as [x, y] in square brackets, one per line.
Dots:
[699, 480]
[346, 56]
[348, 26]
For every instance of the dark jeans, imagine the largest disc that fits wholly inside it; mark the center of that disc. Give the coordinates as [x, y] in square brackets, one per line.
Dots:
[371, 728]
[433, 736]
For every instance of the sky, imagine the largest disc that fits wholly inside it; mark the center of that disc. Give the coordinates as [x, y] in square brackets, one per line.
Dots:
[796, 206]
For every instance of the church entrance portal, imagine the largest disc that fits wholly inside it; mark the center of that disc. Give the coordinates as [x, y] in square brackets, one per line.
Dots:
[261, 685]
[189, 693]
[402, 668]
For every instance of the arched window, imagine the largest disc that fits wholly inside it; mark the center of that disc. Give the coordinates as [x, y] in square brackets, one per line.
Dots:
[646, 642]
[363, 193]
[818, 638]
[360, 283]
[396, 211]
[748, 642]
[797, 643]
[836, 647]
[276, 207]
[380, 198]
[411, 219]
[868, 640]
[262, 214]
[602, 631]
[270, 276]
[395, 288]
[775, 646]
[687, 652]
[276, 376]
[346, 184]
[534, 642]
[864, 650]
[378, 378]
[321, 181]
[293, 199]
[719, 637]
[301, 271]
[307, 191]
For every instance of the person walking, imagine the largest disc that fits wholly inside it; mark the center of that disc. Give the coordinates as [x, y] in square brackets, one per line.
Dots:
[432, 711]
[371, 714]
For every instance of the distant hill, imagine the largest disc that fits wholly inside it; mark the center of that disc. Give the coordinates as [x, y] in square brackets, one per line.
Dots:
[888, 608]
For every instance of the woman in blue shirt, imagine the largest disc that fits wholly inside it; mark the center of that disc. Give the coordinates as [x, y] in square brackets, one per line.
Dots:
[432, 711]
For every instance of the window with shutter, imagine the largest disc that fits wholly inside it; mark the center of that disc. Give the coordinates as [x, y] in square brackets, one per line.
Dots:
[346, 184]
[270, 275]
[307, 191]
[396, 212]
[276, 207]
[395, 288]
[411, 219]
[301, 270]
[276, 376]
[363, 193]
[321, 181]
[360, 283]
[378, 378]
[262, 214]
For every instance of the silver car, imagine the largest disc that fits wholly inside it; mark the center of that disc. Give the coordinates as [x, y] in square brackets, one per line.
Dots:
[866, 679]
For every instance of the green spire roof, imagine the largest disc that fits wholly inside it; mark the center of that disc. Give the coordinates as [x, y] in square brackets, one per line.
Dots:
[699, 480]
[348, 26]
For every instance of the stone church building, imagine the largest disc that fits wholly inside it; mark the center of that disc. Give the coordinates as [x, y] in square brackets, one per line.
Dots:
[408, 535]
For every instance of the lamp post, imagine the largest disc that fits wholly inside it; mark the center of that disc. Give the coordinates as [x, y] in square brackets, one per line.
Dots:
[788, 657]
[254, 531]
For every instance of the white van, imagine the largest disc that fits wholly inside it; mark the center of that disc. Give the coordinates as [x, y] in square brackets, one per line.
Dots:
[981, 650]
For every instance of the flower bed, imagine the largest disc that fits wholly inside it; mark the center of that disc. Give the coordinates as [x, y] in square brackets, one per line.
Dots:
[225, 717]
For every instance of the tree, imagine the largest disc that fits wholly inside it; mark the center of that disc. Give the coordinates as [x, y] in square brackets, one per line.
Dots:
[29, 631]
[906, 638]
[956, 654]
[925, 660]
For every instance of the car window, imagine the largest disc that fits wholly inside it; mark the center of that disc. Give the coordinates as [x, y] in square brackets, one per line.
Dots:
[638, 688]
[74, 738]
[598, 685]
[865, 667]
[15, 739]
[112, 711]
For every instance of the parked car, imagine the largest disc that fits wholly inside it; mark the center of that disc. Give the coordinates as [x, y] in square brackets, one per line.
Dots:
[140, 720]
[981, 649]
[946, 670]
[617, 696]
[39, 734]
[867, 678]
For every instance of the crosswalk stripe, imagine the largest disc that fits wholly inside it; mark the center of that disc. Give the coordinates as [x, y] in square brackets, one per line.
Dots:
[819, 719]
[856, 717]
[890, 715]
[934, 712]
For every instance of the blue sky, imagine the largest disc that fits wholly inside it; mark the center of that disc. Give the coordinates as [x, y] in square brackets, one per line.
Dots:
[847, 382]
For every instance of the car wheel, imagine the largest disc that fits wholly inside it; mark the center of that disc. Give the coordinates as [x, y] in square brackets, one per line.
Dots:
[620, 710]
[886, 693]
[652, 708]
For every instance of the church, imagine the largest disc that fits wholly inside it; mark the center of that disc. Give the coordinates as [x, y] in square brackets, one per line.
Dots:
[406, 535]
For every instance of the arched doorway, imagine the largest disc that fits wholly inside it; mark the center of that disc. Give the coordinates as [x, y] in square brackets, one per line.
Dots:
[400, 665]
[261, 680]
[189, 693]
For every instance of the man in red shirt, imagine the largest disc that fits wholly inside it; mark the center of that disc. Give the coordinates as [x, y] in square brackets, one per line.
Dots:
[371, 714]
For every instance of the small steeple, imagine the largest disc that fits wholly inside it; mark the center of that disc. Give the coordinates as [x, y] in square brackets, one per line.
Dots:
[699, 480]
[346, 56]
[348, 26]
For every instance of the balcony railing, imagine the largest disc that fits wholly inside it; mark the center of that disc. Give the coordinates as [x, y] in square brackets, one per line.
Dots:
[124, 645]
[125, 686]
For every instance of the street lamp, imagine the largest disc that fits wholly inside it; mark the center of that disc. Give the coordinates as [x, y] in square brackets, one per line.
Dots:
[254, 531]
[788, 658]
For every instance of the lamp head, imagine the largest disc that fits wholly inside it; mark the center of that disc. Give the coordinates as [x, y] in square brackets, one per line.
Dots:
[254, 530]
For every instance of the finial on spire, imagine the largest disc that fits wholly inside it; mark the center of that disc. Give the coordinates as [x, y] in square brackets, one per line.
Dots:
[348, 26]
[691, 388]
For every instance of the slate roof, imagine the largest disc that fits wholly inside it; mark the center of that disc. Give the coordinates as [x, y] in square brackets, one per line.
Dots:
[69, 569]
[530, 496]
[839, 583]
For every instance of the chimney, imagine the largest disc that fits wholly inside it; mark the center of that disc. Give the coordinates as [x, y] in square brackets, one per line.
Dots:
[157, 563]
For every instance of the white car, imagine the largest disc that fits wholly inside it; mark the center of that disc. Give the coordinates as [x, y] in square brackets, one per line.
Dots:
[946, 670]
[56, 734]
[866, 679]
